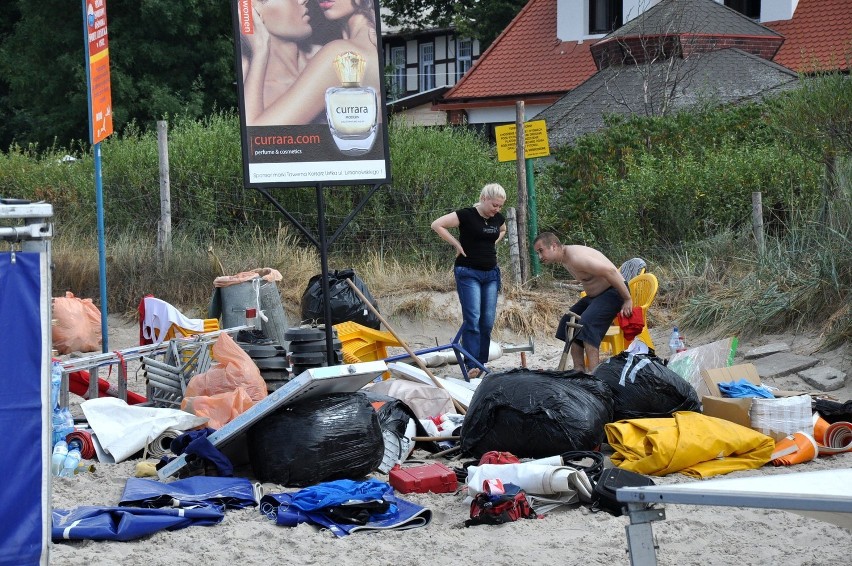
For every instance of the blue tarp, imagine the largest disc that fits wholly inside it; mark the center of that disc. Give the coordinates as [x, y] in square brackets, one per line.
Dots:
[231, 493]
[24, 410]
[311, 505]
[127, 523]
[148, 506]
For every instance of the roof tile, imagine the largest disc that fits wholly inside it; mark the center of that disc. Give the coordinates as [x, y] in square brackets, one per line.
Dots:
[527, 59]
[818, 37]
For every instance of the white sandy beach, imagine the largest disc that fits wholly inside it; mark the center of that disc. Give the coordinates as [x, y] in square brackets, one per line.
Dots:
[703, 535]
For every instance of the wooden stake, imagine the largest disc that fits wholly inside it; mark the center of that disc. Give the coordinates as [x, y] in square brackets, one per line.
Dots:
[569, 336]
[459, 407]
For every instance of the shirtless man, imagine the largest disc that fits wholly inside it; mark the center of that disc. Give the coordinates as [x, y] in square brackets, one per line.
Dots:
[606, 295]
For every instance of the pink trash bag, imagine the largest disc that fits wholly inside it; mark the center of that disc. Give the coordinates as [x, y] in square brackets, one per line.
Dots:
[235, 369]
[221, 408]
[77, 325]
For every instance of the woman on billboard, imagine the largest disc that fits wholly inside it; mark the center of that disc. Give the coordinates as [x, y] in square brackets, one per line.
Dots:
[309, 75]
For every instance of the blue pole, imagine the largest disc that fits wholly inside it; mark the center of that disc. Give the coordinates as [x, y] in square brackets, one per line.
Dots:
[99, 196]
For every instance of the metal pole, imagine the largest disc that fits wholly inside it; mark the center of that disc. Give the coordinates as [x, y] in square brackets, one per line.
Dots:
[522, 191]
[323, 249]
[533, 215]
[99, 197]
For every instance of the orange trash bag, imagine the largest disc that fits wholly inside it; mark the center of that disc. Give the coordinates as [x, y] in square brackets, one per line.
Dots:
[221, 408]
[235, 369]
[77, 325]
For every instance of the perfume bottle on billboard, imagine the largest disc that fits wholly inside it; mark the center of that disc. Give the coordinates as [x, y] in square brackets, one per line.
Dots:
[351, 109]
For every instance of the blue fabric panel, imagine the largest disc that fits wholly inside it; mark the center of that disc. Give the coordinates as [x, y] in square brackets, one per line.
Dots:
[23, 511]
[231, 493]
[127, 523]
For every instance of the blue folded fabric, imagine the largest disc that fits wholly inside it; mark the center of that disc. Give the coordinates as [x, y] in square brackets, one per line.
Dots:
[315, 505]
[228, 493]
[127, 523]
[744, 388]
[195, 442]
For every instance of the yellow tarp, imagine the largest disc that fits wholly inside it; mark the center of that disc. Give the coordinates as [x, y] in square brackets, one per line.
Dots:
[691, 443]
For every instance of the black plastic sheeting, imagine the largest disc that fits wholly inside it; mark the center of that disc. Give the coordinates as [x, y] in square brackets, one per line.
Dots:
[643, 387]
[536, 413]
[832, 411]
[346, 306]
[331, 437]
[394, 415]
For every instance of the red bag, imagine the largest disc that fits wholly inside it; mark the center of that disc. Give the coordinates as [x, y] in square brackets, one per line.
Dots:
[495, 457]
[499, 508]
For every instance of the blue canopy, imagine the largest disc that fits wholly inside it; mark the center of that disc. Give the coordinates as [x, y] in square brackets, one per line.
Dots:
[24, 408]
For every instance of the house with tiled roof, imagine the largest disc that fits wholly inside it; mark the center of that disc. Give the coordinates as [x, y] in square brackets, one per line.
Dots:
[677, 55]
[550, 49]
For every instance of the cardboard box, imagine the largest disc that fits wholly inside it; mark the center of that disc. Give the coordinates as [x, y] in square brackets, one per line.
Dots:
[730, 409]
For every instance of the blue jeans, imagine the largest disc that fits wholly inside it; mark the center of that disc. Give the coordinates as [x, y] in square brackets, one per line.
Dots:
[478, 297]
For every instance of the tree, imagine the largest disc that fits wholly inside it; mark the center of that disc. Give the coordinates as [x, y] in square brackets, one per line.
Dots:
[482, 19]
[166, 58]
[660, 54]
[816, 119]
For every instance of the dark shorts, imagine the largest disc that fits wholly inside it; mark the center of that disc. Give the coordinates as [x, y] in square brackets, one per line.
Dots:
[597, 314]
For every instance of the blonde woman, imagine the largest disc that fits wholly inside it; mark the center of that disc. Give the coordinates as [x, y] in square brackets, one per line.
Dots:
[477, 274]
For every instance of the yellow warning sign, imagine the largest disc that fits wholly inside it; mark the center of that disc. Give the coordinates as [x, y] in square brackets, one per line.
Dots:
[535, 142]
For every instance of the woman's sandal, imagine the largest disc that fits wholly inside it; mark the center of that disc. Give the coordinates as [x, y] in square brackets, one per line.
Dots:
[473, 373]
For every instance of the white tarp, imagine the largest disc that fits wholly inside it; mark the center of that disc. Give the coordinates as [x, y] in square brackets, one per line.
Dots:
[123, 430]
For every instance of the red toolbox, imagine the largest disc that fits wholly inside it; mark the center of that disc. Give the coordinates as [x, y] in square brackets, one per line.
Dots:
[436, 478]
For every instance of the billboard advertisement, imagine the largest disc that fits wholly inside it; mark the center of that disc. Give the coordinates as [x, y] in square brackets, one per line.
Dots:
[311, 92]
[97, 67]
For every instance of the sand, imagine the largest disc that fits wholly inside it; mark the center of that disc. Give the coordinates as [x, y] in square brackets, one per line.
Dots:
[690, 534]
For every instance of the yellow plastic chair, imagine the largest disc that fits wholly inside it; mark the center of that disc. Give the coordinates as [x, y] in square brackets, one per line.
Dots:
[643, 290]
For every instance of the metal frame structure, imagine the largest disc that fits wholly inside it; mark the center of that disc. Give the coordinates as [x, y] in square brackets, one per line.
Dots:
[824, 494]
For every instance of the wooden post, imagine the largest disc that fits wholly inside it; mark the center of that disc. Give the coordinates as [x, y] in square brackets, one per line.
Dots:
[512, 235]
[521, 168]
[757, 220]
[164, 226]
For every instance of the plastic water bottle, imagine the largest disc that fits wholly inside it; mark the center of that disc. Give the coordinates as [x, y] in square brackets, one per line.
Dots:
[58, 426]
[69, 465]
[62, 424]
[55, 384]
[60, 451]
[675, 343]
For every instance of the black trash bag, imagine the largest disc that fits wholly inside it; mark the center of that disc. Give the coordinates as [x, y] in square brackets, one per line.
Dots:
[394, 415]
[643, 387]
[346, 306]
[832, 411]
[335, 436]
[536, 413]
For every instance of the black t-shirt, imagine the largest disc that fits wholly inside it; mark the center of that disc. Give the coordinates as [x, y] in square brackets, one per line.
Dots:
[477, 236]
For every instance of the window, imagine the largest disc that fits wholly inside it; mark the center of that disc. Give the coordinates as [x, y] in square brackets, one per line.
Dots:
[427, 66]
[397, 82]
[605, 16]
[748, 8]
[464, 56]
